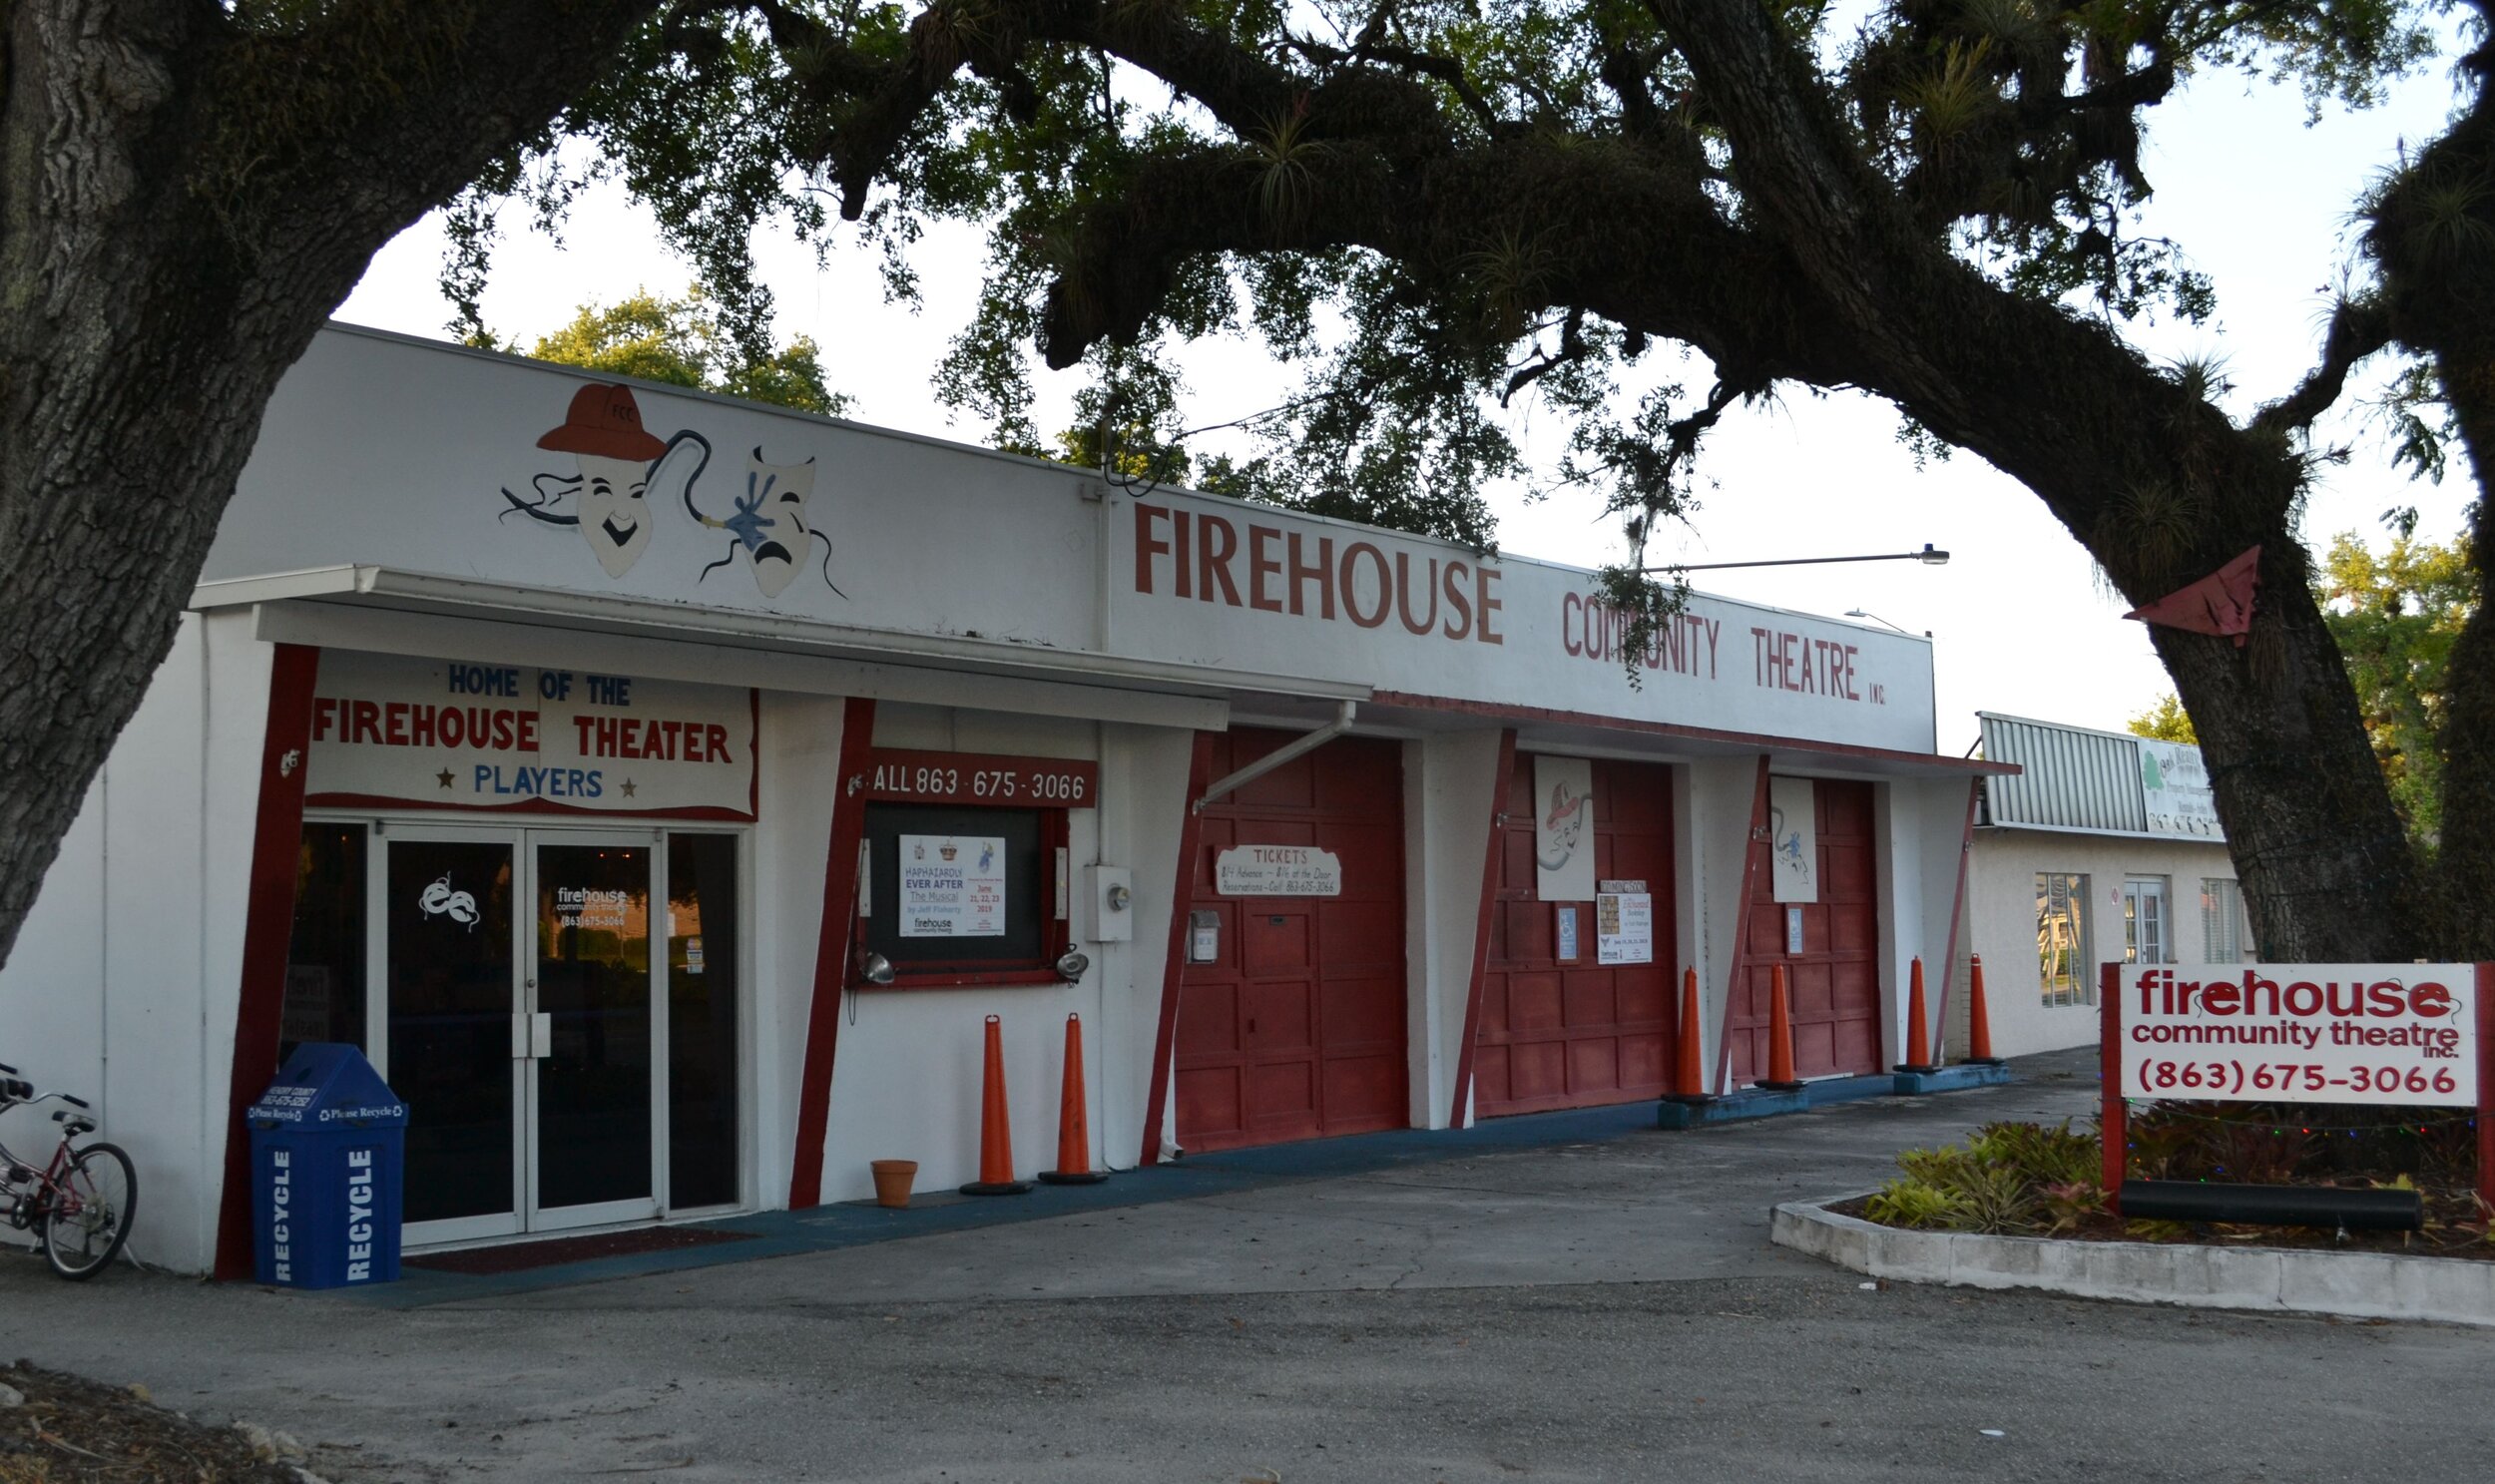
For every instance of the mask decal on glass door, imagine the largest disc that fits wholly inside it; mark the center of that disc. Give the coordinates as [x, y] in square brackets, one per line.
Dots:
[440, 900]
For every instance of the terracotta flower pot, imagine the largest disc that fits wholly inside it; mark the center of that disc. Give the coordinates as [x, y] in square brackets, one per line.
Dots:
[892, 1180]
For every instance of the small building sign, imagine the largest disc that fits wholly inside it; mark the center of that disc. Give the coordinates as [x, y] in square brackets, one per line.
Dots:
[1623, 928]
[1277, 871]
[952, 886]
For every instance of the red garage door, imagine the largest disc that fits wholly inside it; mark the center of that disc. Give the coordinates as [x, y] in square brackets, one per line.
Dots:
[1298, 1030]
[1835, 978]
[1558, 1035]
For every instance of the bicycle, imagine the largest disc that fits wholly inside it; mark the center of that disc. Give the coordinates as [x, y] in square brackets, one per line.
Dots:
[82, 1202]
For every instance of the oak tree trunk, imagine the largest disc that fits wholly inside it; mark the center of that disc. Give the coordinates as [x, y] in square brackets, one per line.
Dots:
[181, 204]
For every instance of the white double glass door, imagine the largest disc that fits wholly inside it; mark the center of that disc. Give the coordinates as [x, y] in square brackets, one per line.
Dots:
[2143, 920]
[523, 1026]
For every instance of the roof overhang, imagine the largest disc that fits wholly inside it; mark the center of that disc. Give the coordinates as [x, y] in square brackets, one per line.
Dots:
[380, 608]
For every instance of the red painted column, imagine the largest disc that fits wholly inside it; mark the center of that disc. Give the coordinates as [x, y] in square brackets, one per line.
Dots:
[2486, 1083]
[1750, 860]
[832, 955]
[1182, 900]
[268, 931]
[1481, 927]
[2113, 1122]
[1958, 914]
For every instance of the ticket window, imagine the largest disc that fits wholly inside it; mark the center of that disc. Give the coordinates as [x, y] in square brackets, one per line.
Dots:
[960, 894]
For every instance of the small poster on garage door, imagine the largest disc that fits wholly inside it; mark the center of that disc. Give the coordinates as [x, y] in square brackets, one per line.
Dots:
[1623, 927]
[952, 886]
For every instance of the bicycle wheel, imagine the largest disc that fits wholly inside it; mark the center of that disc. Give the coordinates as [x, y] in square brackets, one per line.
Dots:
[90, 1213]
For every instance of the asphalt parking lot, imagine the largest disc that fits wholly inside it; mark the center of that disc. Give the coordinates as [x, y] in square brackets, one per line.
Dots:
[1592, 1308]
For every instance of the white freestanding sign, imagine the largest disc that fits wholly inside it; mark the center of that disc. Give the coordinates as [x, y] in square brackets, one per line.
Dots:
[2298, 1033]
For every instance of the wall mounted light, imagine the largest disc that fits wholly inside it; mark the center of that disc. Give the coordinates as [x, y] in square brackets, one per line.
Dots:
[874, 967]
[1072, 964]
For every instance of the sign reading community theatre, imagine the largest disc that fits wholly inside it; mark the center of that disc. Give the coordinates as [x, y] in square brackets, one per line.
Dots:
[458, 734]
[2306, 1033]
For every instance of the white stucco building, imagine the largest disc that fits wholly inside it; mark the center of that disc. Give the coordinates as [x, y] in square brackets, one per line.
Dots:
[589, 753]
[2104, 846]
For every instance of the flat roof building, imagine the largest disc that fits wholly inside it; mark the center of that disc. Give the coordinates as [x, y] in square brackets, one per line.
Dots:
[665, 791]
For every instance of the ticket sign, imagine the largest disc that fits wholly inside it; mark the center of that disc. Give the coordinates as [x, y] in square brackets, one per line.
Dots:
[1277, 871]
[456, 734]
[2298, 1033]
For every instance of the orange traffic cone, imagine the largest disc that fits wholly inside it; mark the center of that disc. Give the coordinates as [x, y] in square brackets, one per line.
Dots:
[1919, 1028]
[1688, 1082]
[1979, 1020]
[1781, 1076]
[996, 1134]
[1074, 1130]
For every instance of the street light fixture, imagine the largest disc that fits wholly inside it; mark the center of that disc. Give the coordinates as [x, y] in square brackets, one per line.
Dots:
[1929, 556]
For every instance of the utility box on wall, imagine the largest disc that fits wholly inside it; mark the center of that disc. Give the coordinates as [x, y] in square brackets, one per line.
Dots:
[1111, 892]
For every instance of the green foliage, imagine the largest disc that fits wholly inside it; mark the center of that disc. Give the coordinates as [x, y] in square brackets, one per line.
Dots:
[1914, 1204]
[677, 341]
[2040, 1155]
[2069, 1205]
[2395, 615]
[2008, 1177]
[2165, 722]
[1133, 202]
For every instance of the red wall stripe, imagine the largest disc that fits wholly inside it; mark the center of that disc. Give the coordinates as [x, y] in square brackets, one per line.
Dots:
[268, 932]
[1957, 908]
[1182, 900]
[1481, 926]
[832, 955]
[1741, 937]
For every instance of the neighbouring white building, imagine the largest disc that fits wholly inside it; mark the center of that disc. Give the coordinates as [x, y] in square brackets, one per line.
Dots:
[665, 791]
[2102, 847]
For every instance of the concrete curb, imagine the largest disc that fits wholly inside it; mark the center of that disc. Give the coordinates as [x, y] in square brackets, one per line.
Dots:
[2369, 1285]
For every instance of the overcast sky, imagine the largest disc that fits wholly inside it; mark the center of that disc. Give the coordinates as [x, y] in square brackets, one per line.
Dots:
[2020, 623]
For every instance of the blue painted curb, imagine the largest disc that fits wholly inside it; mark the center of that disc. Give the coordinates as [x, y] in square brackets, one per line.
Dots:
[1952, 1079]
[1850, 1089]
[1752, 1102]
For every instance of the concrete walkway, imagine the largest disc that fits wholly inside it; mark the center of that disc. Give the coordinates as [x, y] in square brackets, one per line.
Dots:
[1600, 1308]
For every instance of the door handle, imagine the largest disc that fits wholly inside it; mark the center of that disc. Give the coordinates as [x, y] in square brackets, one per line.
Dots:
[541, 1034]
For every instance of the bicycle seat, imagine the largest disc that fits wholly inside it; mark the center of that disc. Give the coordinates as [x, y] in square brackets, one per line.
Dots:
[71, 1124]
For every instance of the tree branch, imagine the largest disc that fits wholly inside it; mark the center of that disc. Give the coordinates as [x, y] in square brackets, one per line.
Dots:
[2358, 328]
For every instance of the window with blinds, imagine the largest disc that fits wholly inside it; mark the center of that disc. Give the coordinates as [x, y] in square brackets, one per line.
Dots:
[2221, 920]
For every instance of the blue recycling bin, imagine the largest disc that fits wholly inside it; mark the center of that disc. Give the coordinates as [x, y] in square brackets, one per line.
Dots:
[328, 1159]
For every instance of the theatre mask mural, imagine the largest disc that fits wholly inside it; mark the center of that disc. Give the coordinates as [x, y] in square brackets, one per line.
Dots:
[770, 526]
[625, 480]
[617, 466]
